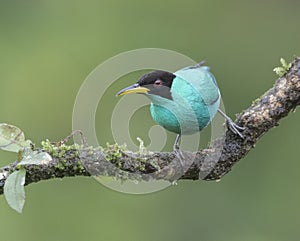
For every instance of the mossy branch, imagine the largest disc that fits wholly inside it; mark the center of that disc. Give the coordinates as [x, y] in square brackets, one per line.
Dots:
[208, 164]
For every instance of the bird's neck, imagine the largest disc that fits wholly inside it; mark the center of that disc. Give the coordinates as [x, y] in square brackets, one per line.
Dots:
[158, 100]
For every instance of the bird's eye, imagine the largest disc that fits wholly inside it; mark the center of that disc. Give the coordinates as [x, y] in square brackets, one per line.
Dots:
[157, 83]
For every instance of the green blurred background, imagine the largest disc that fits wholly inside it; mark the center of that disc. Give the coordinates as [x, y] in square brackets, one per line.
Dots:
[49, 47]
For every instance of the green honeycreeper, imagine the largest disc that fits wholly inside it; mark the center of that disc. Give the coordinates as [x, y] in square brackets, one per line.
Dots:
[183, 102]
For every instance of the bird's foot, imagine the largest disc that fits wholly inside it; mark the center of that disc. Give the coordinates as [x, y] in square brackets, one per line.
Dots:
[236, 129]
[180, 157]
[178, 152]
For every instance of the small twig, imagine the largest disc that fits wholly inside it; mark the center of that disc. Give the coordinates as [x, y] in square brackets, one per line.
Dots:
[73, 133]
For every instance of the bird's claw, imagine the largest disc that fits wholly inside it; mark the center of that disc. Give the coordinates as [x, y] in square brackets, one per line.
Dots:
[179, 155]
[236, 129]
[177, 152]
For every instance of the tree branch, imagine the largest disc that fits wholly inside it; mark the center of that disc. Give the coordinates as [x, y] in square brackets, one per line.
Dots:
[208, 164]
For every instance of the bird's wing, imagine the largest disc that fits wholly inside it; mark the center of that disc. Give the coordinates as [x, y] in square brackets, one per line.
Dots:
[203, 81]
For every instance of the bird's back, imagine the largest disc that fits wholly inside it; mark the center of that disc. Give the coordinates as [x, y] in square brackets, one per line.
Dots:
[204, 83]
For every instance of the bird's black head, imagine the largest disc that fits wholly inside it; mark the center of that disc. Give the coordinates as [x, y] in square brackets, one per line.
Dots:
[156, 83]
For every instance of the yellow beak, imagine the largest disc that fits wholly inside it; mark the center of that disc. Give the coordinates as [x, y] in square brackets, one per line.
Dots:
[136, 88]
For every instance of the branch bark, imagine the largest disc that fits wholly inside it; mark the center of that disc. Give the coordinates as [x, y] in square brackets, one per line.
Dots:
[207, 164]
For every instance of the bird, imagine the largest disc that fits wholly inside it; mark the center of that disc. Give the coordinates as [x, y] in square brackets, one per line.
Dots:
[183, 102]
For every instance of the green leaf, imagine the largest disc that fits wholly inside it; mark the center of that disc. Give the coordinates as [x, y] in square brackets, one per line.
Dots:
[12, 138]
[280, 71]
[35, 158]
[14, 190]
[285, 65]
[283, 69]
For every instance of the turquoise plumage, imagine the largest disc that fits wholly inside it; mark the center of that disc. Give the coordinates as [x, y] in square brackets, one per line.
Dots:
[195, 101]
